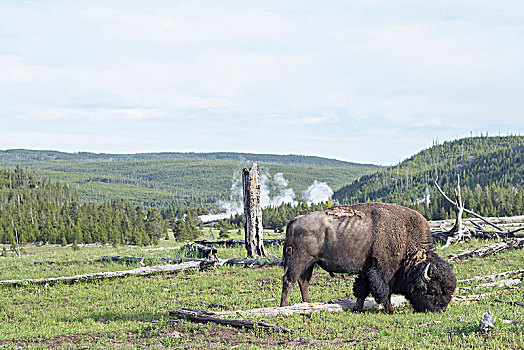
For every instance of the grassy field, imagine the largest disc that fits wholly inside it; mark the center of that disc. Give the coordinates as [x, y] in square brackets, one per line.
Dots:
[132, 312]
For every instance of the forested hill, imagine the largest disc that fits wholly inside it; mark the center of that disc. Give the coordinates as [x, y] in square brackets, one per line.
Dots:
[491, 173]
[22, 156]
[34, 209]
[176, 179]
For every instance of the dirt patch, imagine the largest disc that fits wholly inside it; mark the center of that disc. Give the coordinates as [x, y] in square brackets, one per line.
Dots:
[177, 336]
[55, 342]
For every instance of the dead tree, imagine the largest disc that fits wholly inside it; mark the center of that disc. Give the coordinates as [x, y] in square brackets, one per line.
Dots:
[460, 231]
[16, 235]
[253, 213]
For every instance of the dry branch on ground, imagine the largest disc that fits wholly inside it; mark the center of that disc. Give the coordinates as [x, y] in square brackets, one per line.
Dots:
[237, 242]
[494, 248]
[493, 277]
[184, 264]
[301, 309]
[202, 316]
[141, 271]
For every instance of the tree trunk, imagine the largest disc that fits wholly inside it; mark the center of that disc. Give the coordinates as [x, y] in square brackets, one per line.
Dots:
[252, 213]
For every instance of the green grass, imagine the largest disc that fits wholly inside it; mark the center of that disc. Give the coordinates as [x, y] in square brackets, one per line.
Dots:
[121, 313]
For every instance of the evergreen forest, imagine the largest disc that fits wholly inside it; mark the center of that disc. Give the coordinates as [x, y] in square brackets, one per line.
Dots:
[34, 209]
[491, 171]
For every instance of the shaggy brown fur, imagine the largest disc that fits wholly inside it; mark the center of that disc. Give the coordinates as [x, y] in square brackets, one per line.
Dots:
[382, 243]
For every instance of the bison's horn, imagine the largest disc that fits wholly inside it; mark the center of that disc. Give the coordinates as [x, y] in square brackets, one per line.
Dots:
[425, 274]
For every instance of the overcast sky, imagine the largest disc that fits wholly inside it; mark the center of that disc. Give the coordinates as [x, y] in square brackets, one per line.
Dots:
[363, 81]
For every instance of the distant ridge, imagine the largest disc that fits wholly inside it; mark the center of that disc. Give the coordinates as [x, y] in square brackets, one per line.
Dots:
[174, 178]
[21, 156]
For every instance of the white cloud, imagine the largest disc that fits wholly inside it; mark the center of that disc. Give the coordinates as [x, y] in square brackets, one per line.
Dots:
[101, 114]
[187, 25]
[304, 77]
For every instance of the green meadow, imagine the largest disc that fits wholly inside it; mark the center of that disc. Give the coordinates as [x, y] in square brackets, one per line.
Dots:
[128, 313]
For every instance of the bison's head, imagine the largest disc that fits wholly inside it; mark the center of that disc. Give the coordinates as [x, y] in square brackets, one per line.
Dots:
[431, 284]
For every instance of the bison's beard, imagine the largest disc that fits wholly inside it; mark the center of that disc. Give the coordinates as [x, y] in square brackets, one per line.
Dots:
[431, 291]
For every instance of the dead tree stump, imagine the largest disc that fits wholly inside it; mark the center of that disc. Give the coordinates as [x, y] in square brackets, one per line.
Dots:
[252, 213]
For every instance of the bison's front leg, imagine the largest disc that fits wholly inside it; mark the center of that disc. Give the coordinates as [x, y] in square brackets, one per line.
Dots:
[379, 289]
[361, 291]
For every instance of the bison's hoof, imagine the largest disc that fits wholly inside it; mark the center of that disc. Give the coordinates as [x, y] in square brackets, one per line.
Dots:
[390, 311]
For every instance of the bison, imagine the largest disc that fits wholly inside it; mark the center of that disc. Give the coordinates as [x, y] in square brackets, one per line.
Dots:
[388, 246]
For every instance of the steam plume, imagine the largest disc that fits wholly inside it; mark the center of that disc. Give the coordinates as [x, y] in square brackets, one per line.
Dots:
[273, 192]
[317, 192]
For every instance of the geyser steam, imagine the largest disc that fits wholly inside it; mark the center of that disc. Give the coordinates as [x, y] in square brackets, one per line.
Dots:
[317, 192]
[274, 191]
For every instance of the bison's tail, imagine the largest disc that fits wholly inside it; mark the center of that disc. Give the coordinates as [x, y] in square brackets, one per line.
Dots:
[287, 249]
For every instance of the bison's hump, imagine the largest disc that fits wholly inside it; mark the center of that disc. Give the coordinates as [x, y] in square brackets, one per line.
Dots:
[343, 211]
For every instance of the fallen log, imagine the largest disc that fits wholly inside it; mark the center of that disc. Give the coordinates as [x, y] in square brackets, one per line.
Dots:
[506, 220]
[509, 244]
[518, 303]
[251, 262]
[301, 309]
[159, 248]
[222, 243]
[229, 261]
[201, 251]
[493, 277]
[202, 316]
[502, 283]
[232, 261]
[307, 308]
[236, 242]
[141, 271]
[124, 259]
[511, 321]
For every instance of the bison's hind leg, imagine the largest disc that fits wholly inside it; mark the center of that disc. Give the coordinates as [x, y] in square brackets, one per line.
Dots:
[379, 289]
[298, 268]
[303, 282]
